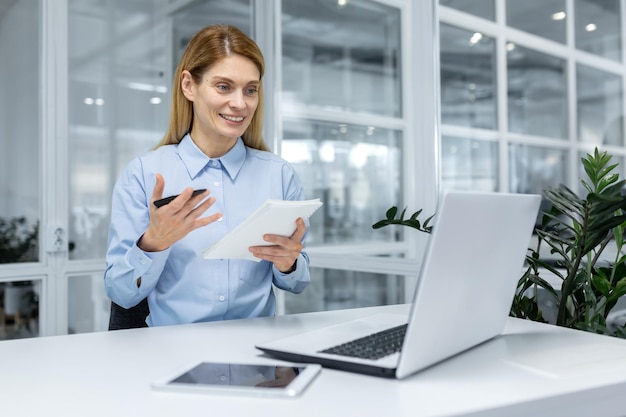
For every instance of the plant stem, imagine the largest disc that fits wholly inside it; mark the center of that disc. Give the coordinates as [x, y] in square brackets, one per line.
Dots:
[568, 284]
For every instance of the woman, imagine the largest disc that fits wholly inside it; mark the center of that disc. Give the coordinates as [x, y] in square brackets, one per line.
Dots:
[213, 142]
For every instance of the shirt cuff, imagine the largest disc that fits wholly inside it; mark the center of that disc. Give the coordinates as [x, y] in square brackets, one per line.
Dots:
[293, 269]
[142, 261]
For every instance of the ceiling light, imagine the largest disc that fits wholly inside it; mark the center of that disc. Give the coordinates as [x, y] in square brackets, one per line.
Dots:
[558, 16]
[476, 37]
[510, 46]
[147, 87]
[591, 27]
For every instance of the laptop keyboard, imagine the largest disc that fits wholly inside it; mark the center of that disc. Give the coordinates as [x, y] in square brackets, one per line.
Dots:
[373, 346]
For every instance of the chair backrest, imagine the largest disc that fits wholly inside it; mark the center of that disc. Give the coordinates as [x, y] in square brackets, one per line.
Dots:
[129, 318]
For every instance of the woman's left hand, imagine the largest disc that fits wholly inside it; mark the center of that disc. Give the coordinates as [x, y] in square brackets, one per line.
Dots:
[284, 251]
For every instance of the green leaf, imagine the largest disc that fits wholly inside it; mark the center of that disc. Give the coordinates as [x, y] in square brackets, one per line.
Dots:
[620, 289]
[601, 284]
[390, 218]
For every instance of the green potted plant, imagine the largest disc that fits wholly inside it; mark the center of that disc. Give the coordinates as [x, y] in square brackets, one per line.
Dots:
[18, 243]
[580, 234]
[574, 240]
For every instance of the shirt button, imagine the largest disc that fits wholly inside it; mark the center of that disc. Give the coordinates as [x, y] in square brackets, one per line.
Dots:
[221, 298]
[142, 260]
[222, 377]
[216, 183]
[220, 219]
[214, 163]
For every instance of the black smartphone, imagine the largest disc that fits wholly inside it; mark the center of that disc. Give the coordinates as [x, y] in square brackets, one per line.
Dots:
[169, 199]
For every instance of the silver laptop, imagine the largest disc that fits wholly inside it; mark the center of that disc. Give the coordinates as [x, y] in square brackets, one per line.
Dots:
[474, 259]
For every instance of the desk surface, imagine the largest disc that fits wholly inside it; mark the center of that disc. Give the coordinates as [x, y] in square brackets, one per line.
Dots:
[533, 369]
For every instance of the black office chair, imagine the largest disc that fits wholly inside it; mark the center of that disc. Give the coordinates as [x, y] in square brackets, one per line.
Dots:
[129, 318]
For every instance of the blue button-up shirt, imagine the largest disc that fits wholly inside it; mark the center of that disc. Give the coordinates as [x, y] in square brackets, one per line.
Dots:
[181, 286]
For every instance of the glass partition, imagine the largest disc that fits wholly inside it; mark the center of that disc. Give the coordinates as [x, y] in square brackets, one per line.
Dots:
[598, 27]
[20, 131]
[532, 169]
[537, 93]
[117, 99]
[342, 127]
[354, 167]
[468, 78]
[545, 18]
[599, 106]
[354, 66]
[481, 8]
[88, 306]
[333, 289]
[355, 170]
[469, 164]
[19, 309]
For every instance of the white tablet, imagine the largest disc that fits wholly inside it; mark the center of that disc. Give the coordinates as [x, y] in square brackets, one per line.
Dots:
[275, 380]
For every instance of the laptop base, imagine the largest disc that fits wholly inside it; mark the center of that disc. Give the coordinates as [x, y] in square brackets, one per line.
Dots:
[333, 364]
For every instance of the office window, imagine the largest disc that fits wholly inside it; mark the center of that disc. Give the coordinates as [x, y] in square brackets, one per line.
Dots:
[20, 132]
[545, 18]
[537, 92]
[329, 85]
[532, 168]
[20, 168]
[19, 308]
[559, 90]
[600, 106]
[468, 78]
[114, 65]
[341, 123]
[88, 306]
[353, 169]
[481, 8]
[333, 289]
[598, 27]
[354, 67]
[469, 164]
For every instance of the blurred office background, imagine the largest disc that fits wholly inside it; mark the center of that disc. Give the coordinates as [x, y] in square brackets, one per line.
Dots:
[377, 103]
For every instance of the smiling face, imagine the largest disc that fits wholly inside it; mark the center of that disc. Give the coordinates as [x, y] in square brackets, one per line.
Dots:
[224, 102]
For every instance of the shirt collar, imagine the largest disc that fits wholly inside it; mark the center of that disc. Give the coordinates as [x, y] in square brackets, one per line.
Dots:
[195, 160]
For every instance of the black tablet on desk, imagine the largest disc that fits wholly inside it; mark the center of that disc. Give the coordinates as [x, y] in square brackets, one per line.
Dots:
[263, 379]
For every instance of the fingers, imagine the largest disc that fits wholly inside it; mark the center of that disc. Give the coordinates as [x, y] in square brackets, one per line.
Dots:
[284, 251]
[171, 222]
[289, 244]
[157, 193]
[298, 235]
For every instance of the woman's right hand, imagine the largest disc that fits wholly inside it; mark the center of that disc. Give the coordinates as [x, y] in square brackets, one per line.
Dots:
[170, 223]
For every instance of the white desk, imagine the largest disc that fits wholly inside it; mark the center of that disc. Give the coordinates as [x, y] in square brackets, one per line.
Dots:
[533, 370]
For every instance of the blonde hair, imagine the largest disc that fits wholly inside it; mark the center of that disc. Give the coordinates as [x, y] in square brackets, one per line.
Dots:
[207, 47]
